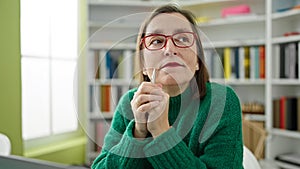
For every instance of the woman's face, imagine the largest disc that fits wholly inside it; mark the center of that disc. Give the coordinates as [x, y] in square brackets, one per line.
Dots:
[174, 65]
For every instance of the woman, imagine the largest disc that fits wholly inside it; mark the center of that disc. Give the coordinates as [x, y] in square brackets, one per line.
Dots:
[176, 118]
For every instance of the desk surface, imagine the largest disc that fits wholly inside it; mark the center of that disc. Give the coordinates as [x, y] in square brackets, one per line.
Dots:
[18, 162]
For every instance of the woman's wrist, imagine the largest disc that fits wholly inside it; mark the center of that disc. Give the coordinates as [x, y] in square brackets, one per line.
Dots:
[161, 131]
[139, 134]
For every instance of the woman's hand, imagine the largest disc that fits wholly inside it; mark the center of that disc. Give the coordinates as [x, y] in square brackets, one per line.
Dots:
[150, 108]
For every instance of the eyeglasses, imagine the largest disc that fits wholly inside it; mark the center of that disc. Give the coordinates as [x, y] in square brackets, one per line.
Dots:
[159, 41]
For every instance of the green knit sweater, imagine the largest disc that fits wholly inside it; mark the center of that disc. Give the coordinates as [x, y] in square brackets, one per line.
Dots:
[205, 133]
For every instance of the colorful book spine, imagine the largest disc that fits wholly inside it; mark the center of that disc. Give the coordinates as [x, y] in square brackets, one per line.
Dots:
[286, 112]
[291, 114]
[252, 62]
[237, 61]
[288, 56]
[276, 113]
[242, 63]
[247, 62]
[298, 114]
[101, 129]
[262, 65]
[227, 63]
[103, 65]
[282, 112]
[105, 98]
[128, 60]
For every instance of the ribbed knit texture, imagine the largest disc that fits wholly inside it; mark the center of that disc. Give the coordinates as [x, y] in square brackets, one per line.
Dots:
[205, 133]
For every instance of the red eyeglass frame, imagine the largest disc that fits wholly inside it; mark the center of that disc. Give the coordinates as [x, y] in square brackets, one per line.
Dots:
[168, 36]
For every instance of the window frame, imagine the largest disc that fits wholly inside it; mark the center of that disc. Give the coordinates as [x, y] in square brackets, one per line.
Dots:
[51, 139]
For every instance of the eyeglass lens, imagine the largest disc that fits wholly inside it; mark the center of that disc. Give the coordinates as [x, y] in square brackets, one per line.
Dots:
[159, 41]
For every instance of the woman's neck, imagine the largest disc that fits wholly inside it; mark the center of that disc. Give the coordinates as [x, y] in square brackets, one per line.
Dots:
[175, 90]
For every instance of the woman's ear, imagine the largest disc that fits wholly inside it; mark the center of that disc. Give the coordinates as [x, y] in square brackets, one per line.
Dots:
[144, 71]
[197, 66]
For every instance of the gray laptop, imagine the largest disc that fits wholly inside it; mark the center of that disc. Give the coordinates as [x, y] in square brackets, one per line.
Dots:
[18, 162]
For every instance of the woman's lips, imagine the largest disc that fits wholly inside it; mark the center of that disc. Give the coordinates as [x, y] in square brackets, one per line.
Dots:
[172, 64]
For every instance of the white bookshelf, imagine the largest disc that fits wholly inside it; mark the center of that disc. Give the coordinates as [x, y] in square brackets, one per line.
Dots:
[285, 133]
[286, 14]
[101, 116]
[236, 43]
[113, 82]
[285, 39]
[265, 27]
[234, 20]
[152, 3]
[109, 45]
[280, 23]
[115, 25]
[289, 82]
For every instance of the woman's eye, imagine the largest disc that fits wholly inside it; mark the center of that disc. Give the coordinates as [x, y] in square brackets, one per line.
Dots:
[156, 41]
[183, 39]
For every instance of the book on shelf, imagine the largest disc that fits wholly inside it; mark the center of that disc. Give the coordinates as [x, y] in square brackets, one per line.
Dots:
[209, 56]
[262, 64]
[291, 114]
[253, 60]
[237, 10]
[282, 113]
[93, 67]
[112, 58]
[255, 117]
[121, 67]
[92, 101]
[108, 64]
[100, 131]
[214, 62]
[236, 62]
[253, 108]
[217, 64]
[276, 62]
[247, 62]
[286, 113]
[227, 63]
[230, 63]
[102, 64]
[290, 158]
[110, 96]
[288, 60]
[291, 6]
[106, 97]
[298, 114]
[244, 62]
[96, 65]
[276, 113]
[241, 63]
[114, 64]
[128, 64]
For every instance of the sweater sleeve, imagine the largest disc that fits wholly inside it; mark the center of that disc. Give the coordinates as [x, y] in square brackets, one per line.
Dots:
[121, 149]
[176, 155]
[223, 149]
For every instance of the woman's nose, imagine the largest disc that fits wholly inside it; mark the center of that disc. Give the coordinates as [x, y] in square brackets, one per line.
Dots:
[170, 48]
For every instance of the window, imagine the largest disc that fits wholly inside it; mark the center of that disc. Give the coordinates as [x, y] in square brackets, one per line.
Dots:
[49, 47]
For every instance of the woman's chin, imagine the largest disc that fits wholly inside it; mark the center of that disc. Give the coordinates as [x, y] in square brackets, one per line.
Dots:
[171, 81]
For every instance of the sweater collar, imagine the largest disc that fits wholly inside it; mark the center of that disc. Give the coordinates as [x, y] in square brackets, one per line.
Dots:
[187, 94]
[176, 102]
